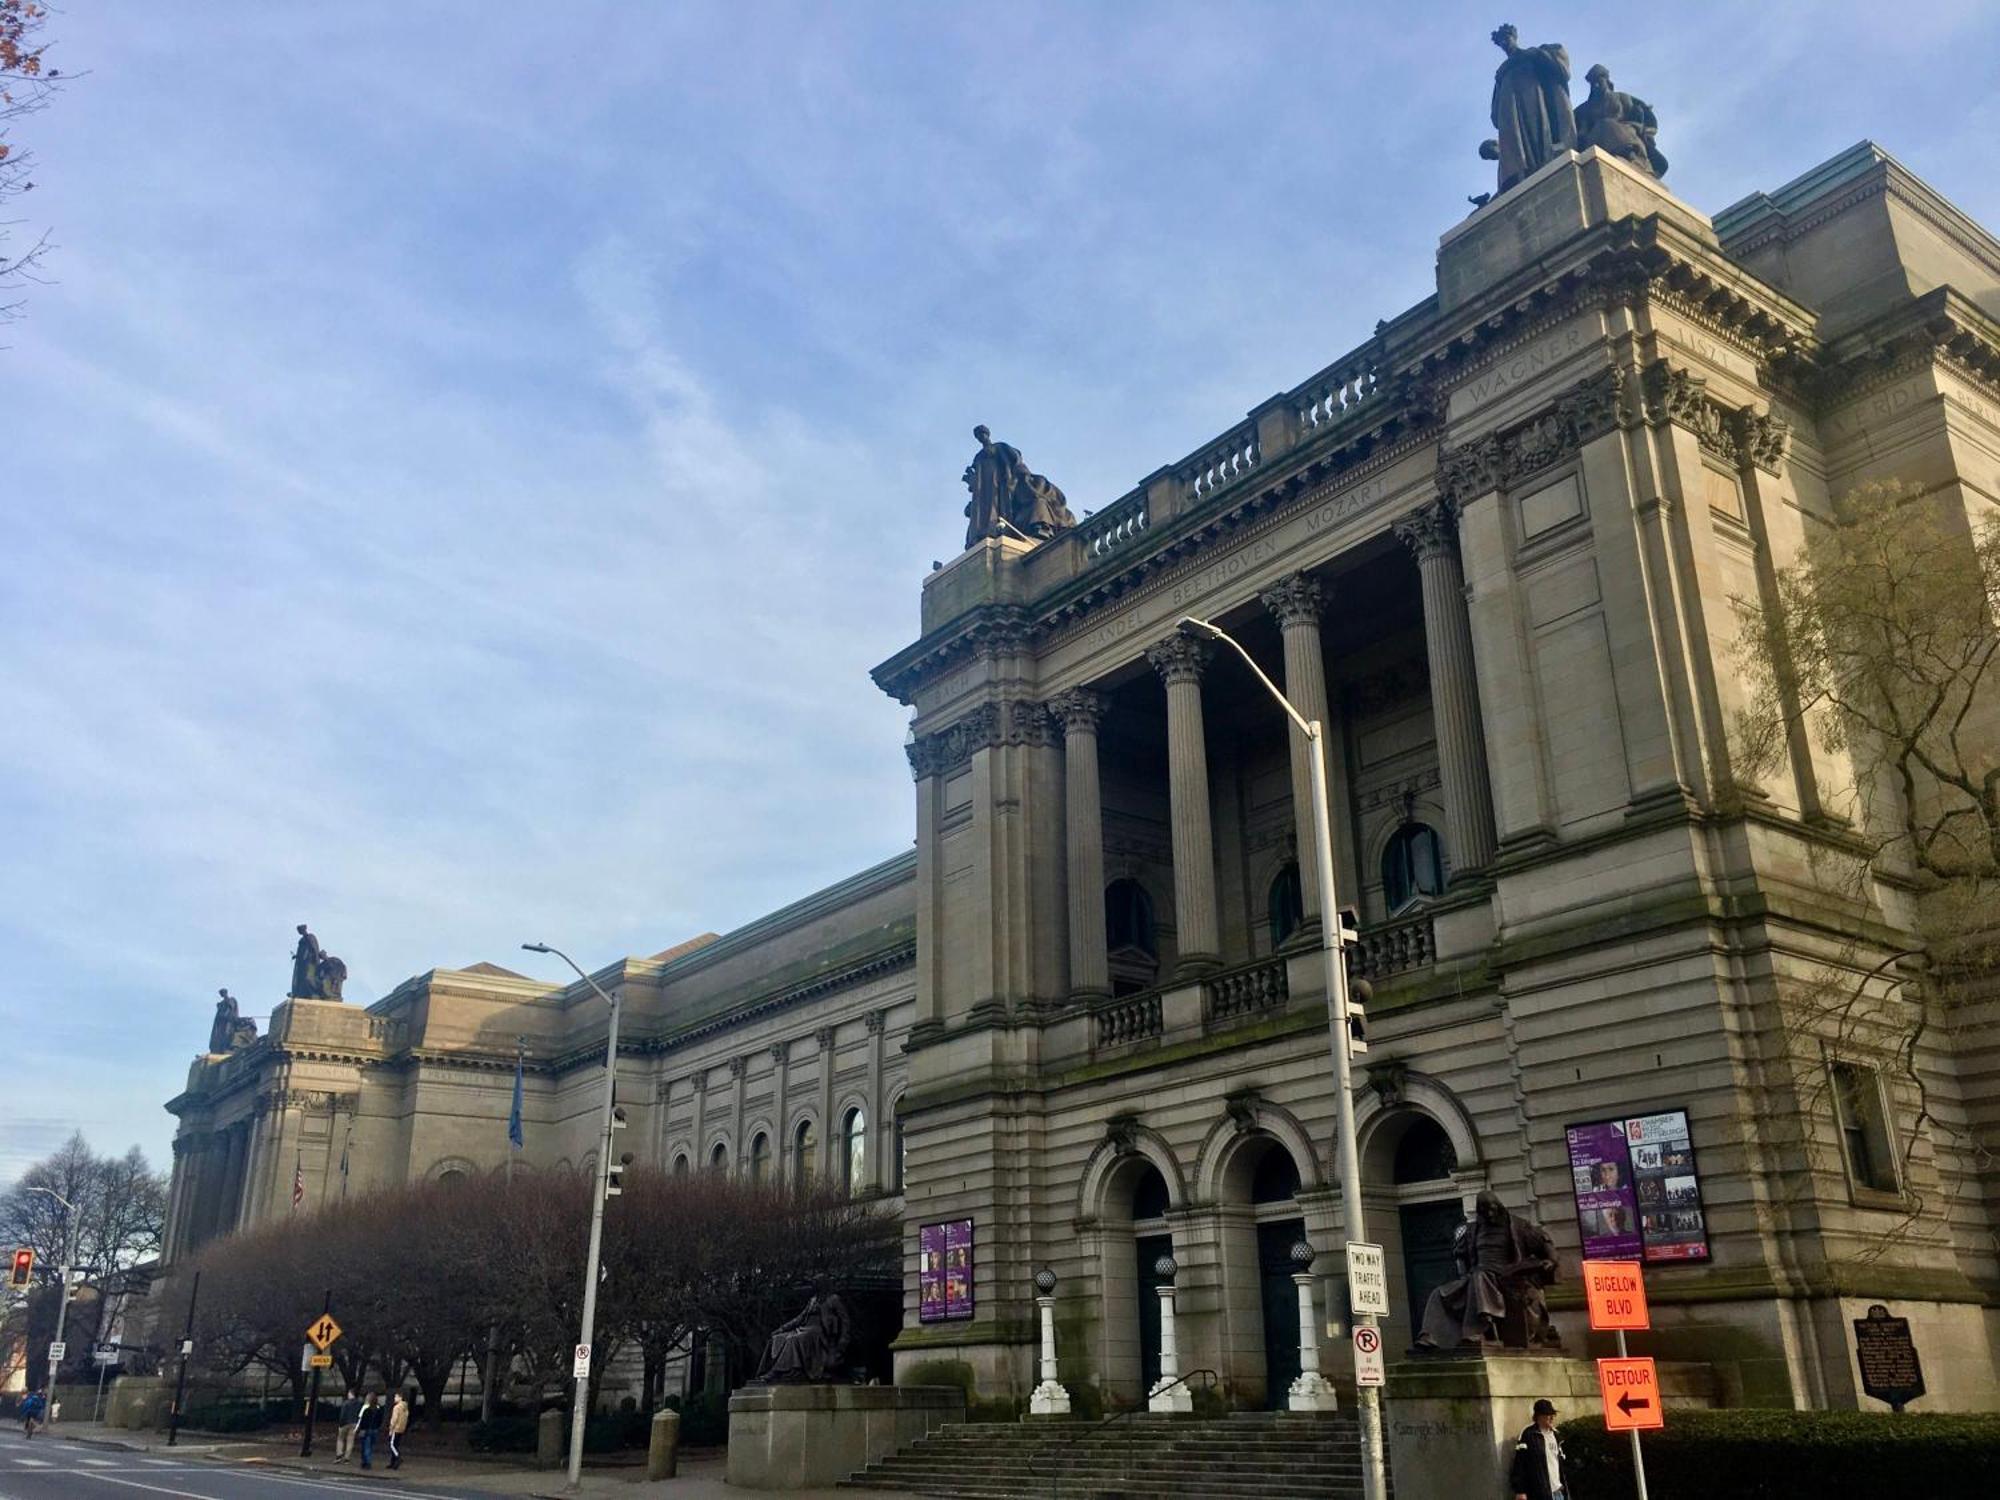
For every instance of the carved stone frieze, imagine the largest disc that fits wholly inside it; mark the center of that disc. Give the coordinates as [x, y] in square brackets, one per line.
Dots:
[1017, 721]
[1388, 686]
[1295, 600]
[1179, 658]
[1500, 460]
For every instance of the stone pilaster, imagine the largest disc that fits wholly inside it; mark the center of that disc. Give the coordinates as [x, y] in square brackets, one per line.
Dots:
[828, 1127]
[1180, 661]
[739, 1163]
[1296, 602]
[1430, 532]
[699, 1078]
[879, 1135]
[1079, 711]
[783, 1167]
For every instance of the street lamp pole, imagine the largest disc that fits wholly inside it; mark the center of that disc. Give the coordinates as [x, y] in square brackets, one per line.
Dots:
[62, 1302]
[580, 1411]
[1332, 939]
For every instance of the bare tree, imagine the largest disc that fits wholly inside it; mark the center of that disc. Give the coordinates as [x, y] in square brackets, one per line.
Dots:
[27, 84]
[1880, 648]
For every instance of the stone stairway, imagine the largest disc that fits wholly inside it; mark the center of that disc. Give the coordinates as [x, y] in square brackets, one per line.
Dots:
[1271, 1456]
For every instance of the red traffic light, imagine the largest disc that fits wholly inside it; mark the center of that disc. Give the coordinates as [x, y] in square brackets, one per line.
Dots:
[24, 1268]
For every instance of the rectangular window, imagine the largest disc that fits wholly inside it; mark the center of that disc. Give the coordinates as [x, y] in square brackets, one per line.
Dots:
[1864, 1127]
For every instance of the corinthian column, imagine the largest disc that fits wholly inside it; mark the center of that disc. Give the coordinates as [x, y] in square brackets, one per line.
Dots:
[1179, 661]
[1296, 602]
[1431, 532]
[1079, 711]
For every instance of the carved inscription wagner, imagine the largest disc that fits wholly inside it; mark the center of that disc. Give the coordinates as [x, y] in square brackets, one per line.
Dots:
[1516, 368]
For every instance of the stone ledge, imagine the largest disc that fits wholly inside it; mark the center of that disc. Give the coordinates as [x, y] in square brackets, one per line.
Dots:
[793, 1437]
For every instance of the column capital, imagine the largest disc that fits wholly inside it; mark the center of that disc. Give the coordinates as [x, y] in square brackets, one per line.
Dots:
[875, 1021]
[738, 1066]
[1430, 530]
[1295, 600]
[1078, 711]
[824, 1036]
[1179, 658]
[780, 1052]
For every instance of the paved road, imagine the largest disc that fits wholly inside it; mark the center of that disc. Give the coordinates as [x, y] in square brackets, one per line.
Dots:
[50, 1469]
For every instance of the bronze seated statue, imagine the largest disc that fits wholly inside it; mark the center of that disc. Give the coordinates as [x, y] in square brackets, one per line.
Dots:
[810, 1349]
[1504, 1262]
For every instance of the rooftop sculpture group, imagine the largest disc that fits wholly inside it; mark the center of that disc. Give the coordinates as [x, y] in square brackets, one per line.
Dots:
[1007, 497]
[230, 1029]
[316, 975]
[1533, 121]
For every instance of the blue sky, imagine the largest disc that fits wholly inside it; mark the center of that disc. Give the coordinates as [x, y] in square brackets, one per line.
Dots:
[471, 454]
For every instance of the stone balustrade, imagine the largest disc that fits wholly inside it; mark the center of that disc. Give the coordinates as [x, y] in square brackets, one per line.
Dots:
[1219, 465]
[1339, 390]
[1129, 1018]
[1248, 991]
[1118, 524]
[1396, 946]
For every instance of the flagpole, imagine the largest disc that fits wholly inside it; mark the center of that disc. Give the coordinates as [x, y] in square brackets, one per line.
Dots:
[489, 1383]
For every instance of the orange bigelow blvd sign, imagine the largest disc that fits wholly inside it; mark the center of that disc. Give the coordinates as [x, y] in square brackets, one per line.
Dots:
[1617, 1295]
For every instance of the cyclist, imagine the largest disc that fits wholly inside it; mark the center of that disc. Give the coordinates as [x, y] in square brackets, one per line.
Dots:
[31, 1411]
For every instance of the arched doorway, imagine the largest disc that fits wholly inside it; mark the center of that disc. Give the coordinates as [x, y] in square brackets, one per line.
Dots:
[1415, 1155]
[1151, 1239]
[1261, 1222]
[1132, 1199]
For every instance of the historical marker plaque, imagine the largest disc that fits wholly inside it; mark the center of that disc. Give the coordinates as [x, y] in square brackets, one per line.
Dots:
[1890, 1369]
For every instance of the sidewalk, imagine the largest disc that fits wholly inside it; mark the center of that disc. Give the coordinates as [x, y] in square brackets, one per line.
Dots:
[700, 1477]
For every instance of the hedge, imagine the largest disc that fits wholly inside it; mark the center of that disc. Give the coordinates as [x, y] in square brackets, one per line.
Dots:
[1755, 1454]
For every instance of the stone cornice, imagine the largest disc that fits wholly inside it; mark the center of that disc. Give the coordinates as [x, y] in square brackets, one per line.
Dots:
[1941, 326]
[987, 632]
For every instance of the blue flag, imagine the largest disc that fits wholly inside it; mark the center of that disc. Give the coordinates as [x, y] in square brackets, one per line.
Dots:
[514, 1115]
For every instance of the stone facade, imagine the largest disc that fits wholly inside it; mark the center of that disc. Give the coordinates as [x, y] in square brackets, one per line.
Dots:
[1494, 550]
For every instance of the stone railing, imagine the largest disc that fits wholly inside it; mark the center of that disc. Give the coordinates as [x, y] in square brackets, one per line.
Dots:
[1396, 946]
[1338, 391]
[1221, 464]
[1129, 1018]
[1122, 521]
[1249, 990]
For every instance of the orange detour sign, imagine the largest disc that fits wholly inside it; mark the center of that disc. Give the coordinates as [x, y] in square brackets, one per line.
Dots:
[1617, 1294]
[1631, 1392]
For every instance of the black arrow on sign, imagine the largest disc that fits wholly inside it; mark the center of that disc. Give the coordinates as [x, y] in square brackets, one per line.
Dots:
[1627, 1405]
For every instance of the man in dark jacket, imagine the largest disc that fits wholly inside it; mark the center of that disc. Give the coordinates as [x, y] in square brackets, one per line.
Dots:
[1538, 1459]
[365, 1428]
[350, 1413]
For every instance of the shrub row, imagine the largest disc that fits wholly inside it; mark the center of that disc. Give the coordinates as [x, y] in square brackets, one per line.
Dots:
[1754, 1454]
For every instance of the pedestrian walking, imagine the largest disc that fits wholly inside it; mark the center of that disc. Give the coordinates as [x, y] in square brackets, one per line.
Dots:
[1538, 1459]
[350, 1413]
[32, 1407]
[399, 1423]
[366, 1426]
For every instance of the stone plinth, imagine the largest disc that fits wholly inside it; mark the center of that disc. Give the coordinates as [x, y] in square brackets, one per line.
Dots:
[1452, 1422]
[799, 1437]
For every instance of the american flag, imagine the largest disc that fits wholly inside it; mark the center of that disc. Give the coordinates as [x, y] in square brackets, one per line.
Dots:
[299, 1180]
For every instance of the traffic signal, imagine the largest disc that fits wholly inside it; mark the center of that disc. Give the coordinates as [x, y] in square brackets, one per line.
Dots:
[23, 1270]
[1359, 990]
[614, 1179]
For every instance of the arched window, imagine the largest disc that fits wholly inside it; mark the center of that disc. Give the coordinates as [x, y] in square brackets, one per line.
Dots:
[1276, 1179]
[760, 1157]
[451, 1175]
[1287, 904]
[1149, 1195]
[1425, 1152]
[805, 1151]
[1412, 865]
[681, 1164]
[718, 1159]
[1128, 919]
[854, 1152]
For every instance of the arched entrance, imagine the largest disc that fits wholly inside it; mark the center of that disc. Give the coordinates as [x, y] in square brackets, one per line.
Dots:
[1414, 1154]
[1133, 1197]
[1261, 1222]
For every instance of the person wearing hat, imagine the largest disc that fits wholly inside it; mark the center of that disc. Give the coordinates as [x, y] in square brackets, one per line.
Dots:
[1538, 1459]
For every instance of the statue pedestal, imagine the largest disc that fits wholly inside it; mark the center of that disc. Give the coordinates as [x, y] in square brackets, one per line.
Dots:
[804, 1437]
[1453, 1420]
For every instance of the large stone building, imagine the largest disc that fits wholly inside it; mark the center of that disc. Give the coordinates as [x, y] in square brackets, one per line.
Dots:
[1495, 549]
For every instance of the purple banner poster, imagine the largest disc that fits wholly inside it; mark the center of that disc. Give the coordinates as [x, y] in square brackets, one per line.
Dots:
[958, 1269]
[1607, 1205]
[930, 1273]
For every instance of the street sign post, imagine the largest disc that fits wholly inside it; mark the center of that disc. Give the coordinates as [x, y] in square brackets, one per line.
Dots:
[58, 1351]
[323, 1332]
[1630, 1389]
[1617, 1295]
[580, 1366]
[319, 1362]
[1367, 1280]
[1369, 1366]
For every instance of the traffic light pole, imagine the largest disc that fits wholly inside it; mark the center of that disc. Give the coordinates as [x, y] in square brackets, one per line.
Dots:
[181, 1381]
[312, 1400]
[1333, 940]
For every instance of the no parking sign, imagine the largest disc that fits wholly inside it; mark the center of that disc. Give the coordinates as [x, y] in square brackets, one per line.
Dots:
[1368, 1363]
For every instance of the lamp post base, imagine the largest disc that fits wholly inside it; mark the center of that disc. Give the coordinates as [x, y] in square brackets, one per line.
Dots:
[1312, 1391]
[1048, 1400]
[1177, 1402]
